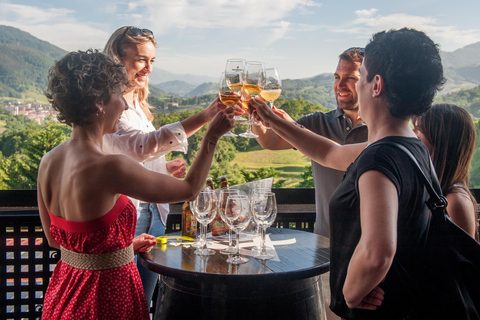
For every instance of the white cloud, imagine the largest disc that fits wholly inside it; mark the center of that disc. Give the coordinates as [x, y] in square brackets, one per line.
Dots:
[371, 21]
[205, 14]
[32, 15]
[55, 25]
[278, 32]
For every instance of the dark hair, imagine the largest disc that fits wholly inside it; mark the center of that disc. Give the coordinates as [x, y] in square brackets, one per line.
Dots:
[79, 80]
[409, 63]
[451, 132]
[354, 54]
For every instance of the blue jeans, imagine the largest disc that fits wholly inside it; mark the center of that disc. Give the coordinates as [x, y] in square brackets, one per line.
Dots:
[148, 221]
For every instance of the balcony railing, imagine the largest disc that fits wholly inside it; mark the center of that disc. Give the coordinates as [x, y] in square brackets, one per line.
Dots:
[27, 262]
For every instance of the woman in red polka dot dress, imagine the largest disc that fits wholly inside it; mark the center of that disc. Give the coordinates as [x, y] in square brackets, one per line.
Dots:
[82, 194]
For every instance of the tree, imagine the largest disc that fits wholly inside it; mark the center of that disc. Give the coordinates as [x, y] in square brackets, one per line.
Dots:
[307, 178]
[21, 169]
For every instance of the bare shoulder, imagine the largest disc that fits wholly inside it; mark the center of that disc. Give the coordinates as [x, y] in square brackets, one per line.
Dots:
[462, 211]
[459, 204]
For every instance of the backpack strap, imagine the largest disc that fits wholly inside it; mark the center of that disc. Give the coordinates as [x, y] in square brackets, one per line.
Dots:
[436, 201]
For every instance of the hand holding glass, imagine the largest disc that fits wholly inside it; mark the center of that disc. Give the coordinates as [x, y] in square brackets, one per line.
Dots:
[234, 66]
[230, 91]
[253, 85]
[273, 86]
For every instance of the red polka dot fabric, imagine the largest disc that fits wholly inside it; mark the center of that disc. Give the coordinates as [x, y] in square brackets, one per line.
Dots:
[104, 294]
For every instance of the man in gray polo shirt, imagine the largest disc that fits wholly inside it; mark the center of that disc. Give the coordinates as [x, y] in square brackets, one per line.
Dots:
[342, 125]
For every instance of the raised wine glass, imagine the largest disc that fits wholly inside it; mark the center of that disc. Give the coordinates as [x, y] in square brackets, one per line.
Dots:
[233, 66]
[253, 84]
[202, 209]
[238, 216]
[230, 91]
[264, 209]
[222, 205]
[273, 86]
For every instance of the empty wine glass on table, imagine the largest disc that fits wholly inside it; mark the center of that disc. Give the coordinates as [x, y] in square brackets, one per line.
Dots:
[273, 86]
[254, 83]
[230, 91]
[222, 206]
[238, 216]
[233, 66]
[202, 209]
[257, 233]
[264, 210]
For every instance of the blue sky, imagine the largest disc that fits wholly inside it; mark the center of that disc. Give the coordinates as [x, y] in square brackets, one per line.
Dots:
[302, 38]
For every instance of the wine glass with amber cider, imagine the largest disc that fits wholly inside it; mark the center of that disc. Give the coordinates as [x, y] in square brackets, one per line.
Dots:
[253, 84]
[229, 91]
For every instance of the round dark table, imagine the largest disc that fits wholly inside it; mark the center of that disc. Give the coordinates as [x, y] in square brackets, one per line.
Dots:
[195, 287]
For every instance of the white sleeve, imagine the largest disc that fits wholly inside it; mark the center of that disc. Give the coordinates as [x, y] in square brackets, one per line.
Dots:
[145, 146]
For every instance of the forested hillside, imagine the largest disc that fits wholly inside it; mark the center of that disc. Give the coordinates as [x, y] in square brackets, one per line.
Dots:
[24, 63]
[467, 99]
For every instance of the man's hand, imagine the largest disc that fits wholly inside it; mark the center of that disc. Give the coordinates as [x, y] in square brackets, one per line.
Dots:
[177, 168]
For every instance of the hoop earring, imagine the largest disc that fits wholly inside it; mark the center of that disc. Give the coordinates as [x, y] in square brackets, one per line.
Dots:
[103, 114]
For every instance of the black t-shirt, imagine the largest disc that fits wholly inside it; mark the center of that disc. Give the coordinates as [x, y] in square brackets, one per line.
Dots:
[413, 221]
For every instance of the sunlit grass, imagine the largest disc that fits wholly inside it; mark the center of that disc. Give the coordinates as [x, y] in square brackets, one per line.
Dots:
[290, 163]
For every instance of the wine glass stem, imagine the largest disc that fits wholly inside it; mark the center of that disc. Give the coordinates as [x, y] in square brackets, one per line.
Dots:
[264, 248]
[249, 124]
[230, 237]
[204, 237]
[237, 253]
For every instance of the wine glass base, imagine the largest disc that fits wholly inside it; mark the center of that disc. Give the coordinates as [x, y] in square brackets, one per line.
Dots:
[204, 252]
[239, 118]
[228, 250]
[256, 249]
[248, 135]
[230, 134]
[197, 244]
[237, 260]
[264, 256]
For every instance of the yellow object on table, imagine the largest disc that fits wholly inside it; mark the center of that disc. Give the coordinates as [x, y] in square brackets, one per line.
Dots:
[164, 239]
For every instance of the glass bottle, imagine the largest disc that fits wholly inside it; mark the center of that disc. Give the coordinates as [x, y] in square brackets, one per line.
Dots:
[189, 222]
[217, 226]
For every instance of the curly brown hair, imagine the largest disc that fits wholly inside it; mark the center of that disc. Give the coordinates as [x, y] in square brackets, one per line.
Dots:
[80, 80]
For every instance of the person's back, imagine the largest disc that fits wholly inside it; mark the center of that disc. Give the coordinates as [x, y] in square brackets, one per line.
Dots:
[73, 179]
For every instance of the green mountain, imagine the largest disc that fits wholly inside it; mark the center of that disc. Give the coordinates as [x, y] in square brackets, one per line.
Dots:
[24, 63]
[469, 99]
[176, 87]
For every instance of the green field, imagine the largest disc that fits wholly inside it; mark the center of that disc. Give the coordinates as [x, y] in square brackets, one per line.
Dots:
[290, 163]
[3, 123]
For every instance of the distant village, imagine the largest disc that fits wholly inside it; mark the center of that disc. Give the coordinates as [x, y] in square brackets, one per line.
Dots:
[34, 111]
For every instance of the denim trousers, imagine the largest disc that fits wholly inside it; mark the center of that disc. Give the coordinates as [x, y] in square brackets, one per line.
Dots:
[148, 221]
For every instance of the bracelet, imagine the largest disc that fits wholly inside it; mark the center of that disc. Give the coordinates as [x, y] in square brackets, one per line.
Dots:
[208, 144]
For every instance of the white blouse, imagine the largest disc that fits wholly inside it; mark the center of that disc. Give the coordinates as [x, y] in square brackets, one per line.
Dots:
[138, 139]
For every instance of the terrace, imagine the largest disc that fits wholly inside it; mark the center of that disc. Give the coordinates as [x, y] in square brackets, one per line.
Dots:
[27, 261]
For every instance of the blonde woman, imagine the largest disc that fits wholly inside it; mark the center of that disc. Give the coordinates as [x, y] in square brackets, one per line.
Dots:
[136, 136]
